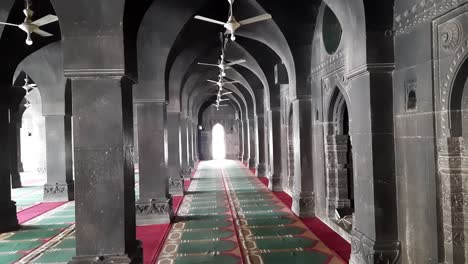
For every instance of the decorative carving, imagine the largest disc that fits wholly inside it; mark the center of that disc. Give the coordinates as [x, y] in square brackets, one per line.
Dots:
[332, 62]
[365, 250]
[153, 207]
[423, 12]
[451, 35]
[55, 189]
[176, 186]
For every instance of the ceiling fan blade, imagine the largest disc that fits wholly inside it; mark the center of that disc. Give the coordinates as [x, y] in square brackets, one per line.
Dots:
[222, 100]
[42, 33]
[227, 93]
[207, 64]
[45, 20]
[255, 19]
[209, 20]
[8, 24]
[212, 81]
[236, 62]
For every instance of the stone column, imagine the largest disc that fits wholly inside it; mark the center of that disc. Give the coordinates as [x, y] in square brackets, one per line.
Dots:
[184, 147]
[246, 157]
[8, 220]
[253, 139]
[14, 145]
[60, 185]
[195, 141]
[241, 139]
[104, 173]
[176, 183]
[375, 223]
[260, 172]
[190, 143]
[303, 191]
[154, 205]
[274, 137]
[266, 145]
[18, 147]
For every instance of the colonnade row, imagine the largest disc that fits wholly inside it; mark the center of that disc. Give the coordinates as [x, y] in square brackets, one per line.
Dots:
[100, 173]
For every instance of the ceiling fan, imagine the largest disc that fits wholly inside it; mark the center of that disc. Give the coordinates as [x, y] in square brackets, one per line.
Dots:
[28, 87]
[218, 105]
[30, 26]
[222, 82]
[223, 65]
[232, 24]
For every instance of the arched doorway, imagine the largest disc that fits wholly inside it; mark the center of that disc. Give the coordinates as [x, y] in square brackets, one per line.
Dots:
[452, 157]
[340, 191]
[218, 144]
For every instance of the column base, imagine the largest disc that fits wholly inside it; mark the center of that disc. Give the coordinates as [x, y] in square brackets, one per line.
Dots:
[20, 167]
[59, 192]
[8, 219]
[176, 186]
[137, 258]
[16, 180]
[275, 184]
[252, 164]
[186, 173]
[303, 204]
[154, 211]
[245, 160]
[261, 170]
[365, 250]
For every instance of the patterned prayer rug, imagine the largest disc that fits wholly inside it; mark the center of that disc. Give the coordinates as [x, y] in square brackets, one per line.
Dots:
[37, 235]
[269, 232]
[204, 231]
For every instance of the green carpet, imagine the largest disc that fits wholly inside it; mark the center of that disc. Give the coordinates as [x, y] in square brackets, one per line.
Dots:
[269, 231]
[34, 235]
[204, 232]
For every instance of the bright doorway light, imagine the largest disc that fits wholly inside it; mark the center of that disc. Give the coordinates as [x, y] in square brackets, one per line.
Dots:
[217, 144]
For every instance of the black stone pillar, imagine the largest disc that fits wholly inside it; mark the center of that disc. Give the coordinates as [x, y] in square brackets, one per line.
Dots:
[184, 147]
[375, 221]
[176, 183]
[253, 143]
[274, 138]
[303, 192]
[260, 172]
[14, 144]
[60, 185]
[241, 139]
[190, 142]
[246, 141]
[8, 220]
[104, 173]
[155, 204]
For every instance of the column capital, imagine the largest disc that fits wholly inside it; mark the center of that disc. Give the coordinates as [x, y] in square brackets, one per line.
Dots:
[150, 101]
[74, 74]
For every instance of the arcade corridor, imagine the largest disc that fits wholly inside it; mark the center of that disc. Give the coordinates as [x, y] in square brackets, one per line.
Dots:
[225, 131]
